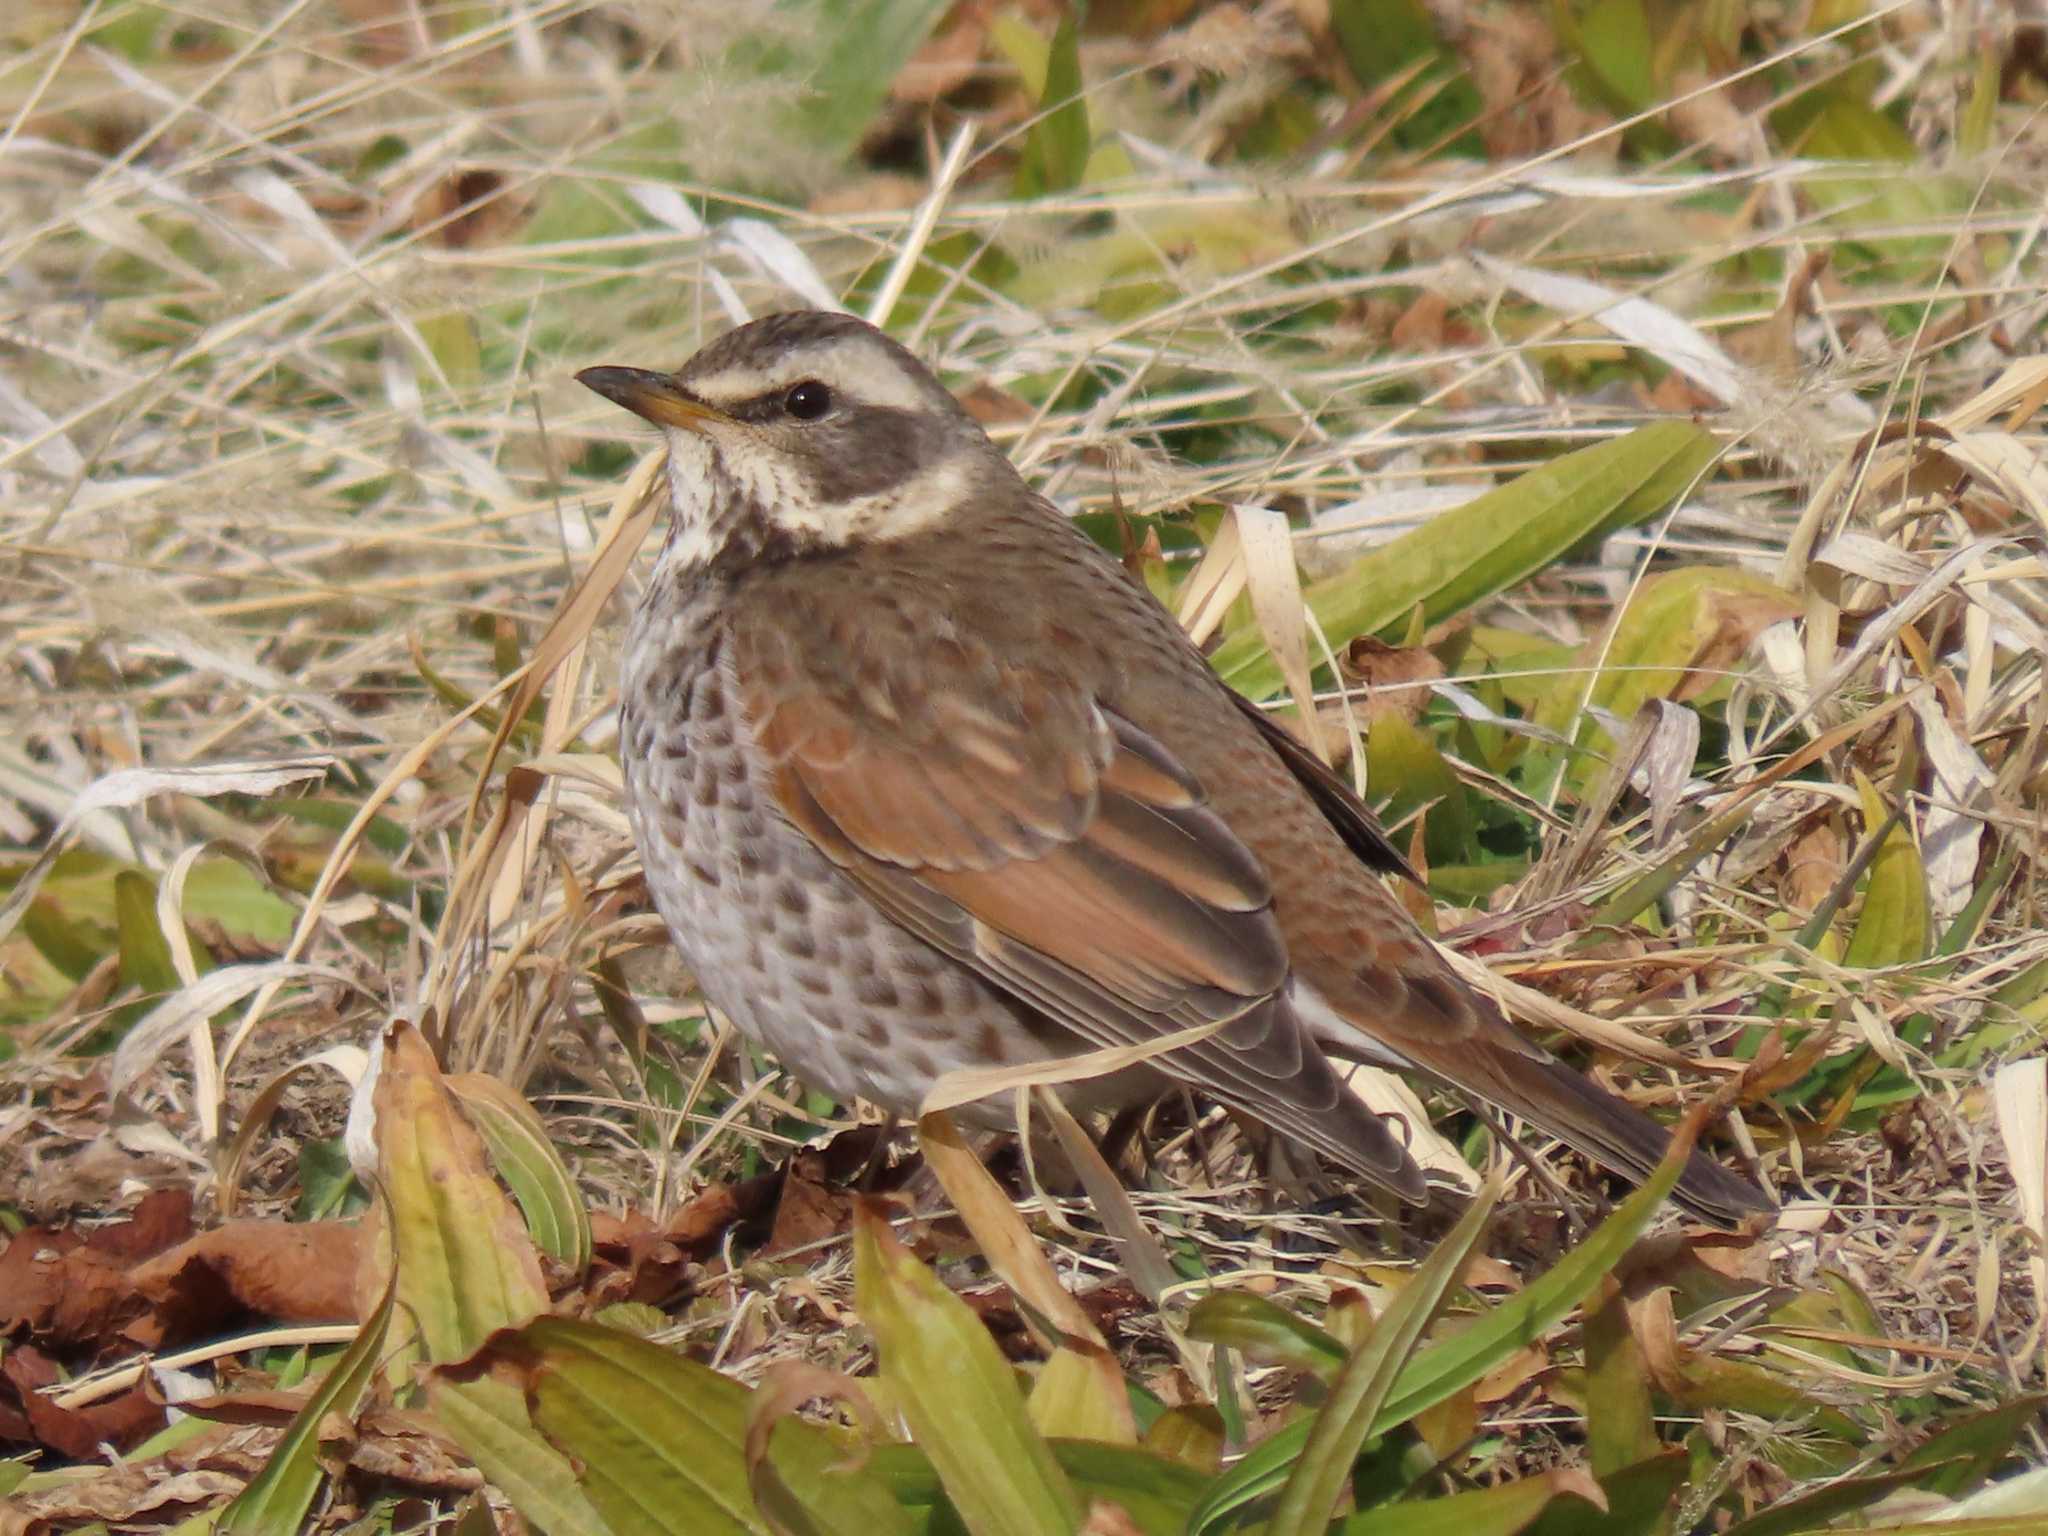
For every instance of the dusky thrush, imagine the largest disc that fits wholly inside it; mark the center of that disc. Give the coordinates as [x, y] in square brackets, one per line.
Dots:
[923, 779]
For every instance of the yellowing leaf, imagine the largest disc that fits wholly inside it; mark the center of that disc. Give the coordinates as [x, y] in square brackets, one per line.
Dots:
[1892, 928]
[1677, 637]
[466, 1265]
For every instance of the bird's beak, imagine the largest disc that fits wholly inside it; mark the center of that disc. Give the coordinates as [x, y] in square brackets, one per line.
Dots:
[656, 397]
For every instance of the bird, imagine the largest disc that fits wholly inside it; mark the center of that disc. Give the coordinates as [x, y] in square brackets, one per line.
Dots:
[922, 778]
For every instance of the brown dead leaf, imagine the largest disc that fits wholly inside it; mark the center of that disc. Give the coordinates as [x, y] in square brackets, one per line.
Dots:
[810, 1211]
[1511, 1375]
[290, 1272]
[407, 1447]
[1813, 865]
[1450, 1423]
[1734, 1255]
[993, 407]
[638, 1261]
[1107, 1519]
[1738, 618]
[468, 208]
[124, 1494]
[1676, 395]
[62, 1285]
[876, 192]
[1655, 1327]
[1422, 325]
[1393, 675]
[945, 61]
[274, 1407]
[1709, 118]
[77, 1433]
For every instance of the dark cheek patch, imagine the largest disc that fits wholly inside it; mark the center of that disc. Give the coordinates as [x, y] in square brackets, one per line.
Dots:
[869, 448]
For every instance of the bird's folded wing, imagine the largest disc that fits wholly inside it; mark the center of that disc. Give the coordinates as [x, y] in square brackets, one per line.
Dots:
[1063, 854]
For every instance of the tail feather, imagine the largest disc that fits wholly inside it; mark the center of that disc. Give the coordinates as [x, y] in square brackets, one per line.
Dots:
[1594, 1122]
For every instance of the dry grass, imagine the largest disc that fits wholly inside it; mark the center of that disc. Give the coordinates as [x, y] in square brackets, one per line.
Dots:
[292, 466]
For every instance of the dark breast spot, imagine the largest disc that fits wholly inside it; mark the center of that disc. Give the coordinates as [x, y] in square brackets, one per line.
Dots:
[873, 991]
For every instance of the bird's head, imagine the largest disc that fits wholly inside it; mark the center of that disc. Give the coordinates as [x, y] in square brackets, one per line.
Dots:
[804, 432]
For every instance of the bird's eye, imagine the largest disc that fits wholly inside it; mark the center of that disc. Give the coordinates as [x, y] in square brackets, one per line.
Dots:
[808, 400]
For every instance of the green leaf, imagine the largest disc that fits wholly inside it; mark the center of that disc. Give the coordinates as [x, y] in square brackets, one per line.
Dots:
[1821, 1507]
[866, 45]
[145, 952]
[228, 892]
[1342, 1426]
[955, 1390]
[1154, 1491]
[1638, 1501]
[527, 1160]
[1673, 623]
[1500, 1511]
[1613, 38]
[1404, 759]
[659, 1441]
[488, 1418]
[1620, 1429]
[1835, 122]
[1383, 39]
[1966, 1452]
[451, 337]
[1265, 1333]
[1892, 928]
[1470, 553]
[1056, 149]
[1978, 123]
[1072, 1396]
[1453, 1364]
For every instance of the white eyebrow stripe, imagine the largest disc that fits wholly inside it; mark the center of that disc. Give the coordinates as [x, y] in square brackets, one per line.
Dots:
[850, 367]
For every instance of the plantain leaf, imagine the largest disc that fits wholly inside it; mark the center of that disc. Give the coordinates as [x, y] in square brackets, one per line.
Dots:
[466, 1266]
[658, 1441]
[944, 1372]
[528, 1162]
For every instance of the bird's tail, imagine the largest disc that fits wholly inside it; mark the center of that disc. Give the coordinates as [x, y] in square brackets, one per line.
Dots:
[1593, 1122]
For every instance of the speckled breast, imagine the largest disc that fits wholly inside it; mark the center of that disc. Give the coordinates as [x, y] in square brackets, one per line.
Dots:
[780, 941]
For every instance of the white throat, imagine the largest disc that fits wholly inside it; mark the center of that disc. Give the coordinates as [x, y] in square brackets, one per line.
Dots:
[710, 484]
